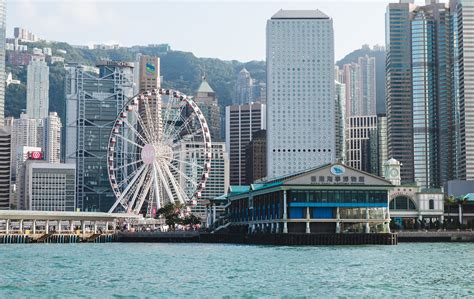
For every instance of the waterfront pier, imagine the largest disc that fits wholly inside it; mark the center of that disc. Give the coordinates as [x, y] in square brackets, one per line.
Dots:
[59, 227]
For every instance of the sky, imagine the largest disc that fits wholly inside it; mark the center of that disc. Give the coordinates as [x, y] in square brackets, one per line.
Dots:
[222, 29]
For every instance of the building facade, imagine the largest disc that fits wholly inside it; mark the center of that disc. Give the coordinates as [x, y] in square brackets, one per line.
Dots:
[332, 198]
[300, 91]
[463, 74]
[361, 143]
[92, 105]
[398, 76]
[49, 186]
[37, 89]
[23, 154]
[5, 152]
[51, 141]
[382, 146]
[256, 157]
[242, 121]
[340, 121]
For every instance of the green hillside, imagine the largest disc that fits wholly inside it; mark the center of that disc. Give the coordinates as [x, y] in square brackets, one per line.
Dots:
[180, 70]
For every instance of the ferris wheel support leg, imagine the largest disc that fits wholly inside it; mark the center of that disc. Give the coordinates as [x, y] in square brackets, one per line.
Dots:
[119, 200]
[175, 185]
[155, 185]
[162, 177]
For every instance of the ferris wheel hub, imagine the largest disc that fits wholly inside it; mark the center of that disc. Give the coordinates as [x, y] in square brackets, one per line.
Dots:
[148, 154]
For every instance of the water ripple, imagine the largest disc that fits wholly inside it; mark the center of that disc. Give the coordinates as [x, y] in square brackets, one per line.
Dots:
[217, 270]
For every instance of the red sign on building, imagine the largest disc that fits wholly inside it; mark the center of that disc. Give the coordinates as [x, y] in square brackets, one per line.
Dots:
[35, 155]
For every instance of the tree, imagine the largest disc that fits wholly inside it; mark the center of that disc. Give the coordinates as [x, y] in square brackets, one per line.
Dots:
[172, 213]
[191, 220]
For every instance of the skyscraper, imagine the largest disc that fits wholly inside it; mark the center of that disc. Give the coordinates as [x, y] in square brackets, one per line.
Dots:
[241, 122]
[149, 73]
[92, 105]
[463, 90]
[340, 121]
[300, 93]
[206, 100]
[430, 47]
[52, 138]
[37, 93]
[399, 86]
[382, 147]
[2, 60]
[243, 88]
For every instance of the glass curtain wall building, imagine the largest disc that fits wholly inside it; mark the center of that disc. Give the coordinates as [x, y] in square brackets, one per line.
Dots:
[399, 86]
[462, 12]
[429, 34]
[92, 105]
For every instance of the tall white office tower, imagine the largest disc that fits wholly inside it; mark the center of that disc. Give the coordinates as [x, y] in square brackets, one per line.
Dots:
[52, 138]
[37, 92]
[300, 91]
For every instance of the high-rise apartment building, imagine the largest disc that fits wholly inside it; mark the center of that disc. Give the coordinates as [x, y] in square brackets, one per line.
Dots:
[242, 121]
[3, 12]
[361, 143]
[243, 88]
[359, 79]
[398, 76]
[37, 88]
[367, 85]
[256, 157]
[206, 100]
[351, 76]
[5, 148]
[92, 105]
[300, 91]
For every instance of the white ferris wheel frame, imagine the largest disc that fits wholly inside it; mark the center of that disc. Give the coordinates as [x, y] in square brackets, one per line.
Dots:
[156, 179]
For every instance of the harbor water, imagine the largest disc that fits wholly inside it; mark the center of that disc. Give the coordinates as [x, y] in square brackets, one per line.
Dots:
[219, 270]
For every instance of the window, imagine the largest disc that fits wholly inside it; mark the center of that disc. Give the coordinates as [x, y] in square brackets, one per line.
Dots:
[431, 204]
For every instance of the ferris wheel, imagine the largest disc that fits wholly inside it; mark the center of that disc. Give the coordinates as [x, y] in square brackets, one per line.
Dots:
[159, 152]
